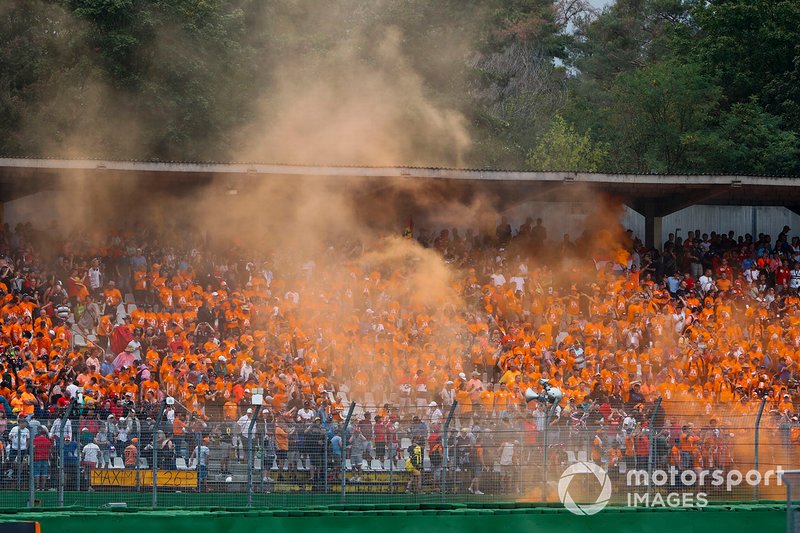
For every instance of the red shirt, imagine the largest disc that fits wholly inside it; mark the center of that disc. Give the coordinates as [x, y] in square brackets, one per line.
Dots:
[41, 448]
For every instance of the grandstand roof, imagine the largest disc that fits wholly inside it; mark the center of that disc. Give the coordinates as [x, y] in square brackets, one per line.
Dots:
[656, 194]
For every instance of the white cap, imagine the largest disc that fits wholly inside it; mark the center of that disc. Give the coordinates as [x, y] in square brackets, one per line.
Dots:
[249, 410]
[432, 404]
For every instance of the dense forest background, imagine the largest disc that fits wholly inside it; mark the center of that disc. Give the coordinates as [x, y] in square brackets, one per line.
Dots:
[640, 86]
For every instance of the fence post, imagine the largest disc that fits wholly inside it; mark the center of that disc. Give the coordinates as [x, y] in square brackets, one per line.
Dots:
[650, 450]
[64, 419]
[138, 455]
[344, 447]
[392, 454]
[547, 418]
[155, 453]
[445, 438]
[755, 454]
[263, 453]
[250, 456]
[19, 454]
[326, 463]
[31, 486]
[78, 466]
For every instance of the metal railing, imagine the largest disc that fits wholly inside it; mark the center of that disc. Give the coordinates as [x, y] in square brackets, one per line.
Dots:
[406, 456]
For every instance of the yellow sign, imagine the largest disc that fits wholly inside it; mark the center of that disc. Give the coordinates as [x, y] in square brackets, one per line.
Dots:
[127, 478]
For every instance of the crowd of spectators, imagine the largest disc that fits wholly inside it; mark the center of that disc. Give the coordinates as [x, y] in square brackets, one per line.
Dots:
[117, 322]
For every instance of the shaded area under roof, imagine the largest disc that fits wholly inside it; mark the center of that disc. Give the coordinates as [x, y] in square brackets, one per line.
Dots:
[652, 195]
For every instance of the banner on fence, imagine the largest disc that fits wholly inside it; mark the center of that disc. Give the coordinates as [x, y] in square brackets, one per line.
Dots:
[127, 478]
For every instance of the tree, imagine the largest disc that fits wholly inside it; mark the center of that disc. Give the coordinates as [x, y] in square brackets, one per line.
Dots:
[752, 49]
[746, 140]
[563, 148]
[516, 85]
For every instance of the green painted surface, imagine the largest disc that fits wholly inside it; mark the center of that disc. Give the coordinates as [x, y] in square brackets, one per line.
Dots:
[229, 500]
[352, 518]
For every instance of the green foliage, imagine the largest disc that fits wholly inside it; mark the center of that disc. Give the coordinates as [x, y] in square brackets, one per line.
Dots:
[752, 48]
[642, 86]
[747, 140]
[691, 86]
[653, 109]
[563, 148]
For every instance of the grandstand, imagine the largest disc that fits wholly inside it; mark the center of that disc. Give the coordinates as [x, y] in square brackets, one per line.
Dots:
[145, 366]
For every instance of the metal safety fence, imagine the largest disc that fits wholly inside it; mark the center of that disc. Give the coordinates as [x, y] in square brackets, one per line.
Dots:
[645, 452]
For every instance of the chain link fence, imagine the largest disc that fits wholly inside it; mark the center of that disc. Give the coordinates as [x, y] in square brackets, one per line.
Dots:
[385, 455]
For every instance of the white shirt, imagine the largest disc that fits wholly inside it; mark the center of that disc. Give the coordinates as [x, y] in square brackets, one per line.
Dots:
[506, 454]
[91, 453]
[705, 283]
[73, 389]
[435, 415]
[498, 279]
[55, 430]
[201, 455]
[519, 281]
[244, 425]
[94, 277]
[19, 438]
[304, 415]
[794, 281]
[137, 354]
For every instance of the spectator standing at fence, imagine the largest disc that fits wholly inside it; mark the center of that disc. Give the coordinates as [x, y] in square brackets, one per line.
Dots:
[71, 461]
[18, 439]
[245, 431]
[314, 441]
[42, 448]
[434, 414]
[380, 437]
[336, 447]
[178, 432]
[269, 453]
[365, 425]
[418, 430]
[281, 443]
[476, 461]
[101, 439]
[201, 453]
[358, 445]
[506, 463]
[435, 450]
[414, 467]
[295, 438]
[91, 458]
[131, 454]
[56, 431]
[224, 436]
[688, 441]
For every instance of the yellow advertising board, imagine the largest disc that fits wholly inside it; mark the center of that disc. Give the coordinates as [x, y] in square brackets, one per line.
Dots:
[127, 478]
